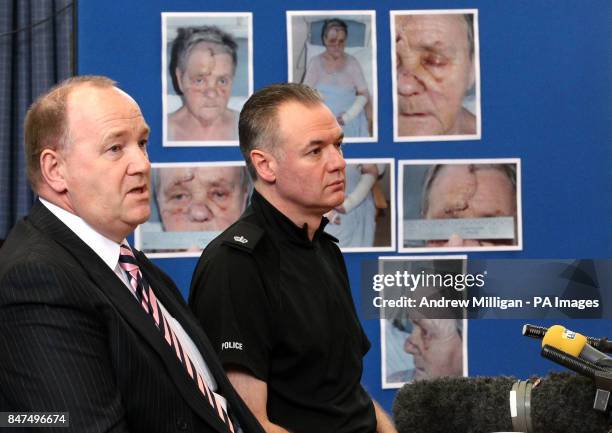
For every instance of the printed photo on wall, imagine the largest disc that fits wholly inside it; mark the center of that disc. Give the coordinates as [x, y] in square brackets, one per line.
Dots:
[365, 221]
[335, 53]
[415, 346]
[207, 75]
[460, 205]
[436, 75]
[192, 203]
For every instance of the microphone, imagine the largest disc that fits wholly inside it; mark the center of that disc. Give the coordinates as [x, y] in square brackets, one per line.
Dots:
[602, 376]
[538, 332]
[574, 344]
[560, 403]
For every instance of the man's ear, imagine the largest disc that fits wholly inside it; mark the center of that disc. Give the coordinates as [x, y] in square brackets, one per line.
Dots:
[51, 170]
[265, 164]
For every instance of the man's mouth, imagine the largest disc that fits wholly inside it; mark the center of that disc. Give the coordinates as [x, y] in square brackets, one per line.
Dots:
[138, 190]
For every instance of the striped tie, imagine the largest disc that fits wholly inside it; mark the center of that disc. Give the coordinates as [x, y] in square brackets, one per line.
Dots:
[149, 303]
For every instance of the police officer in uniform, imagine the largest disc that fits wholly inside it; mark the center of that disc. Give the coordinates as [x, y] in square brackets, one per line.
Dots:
[272, 291]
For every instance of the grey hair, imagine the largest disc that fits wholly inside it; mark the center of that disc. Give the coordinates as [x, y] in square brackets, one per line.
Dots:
[330, 24]
[188, 38]
[469, 20]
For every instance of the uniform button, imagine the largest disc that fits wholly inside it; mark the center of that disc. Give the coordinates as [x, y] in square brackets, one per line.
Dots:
[181, 424]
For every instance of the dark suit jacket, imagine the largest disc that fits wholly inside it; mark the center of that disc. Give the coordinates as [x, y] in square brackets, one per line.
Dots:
[73, 338]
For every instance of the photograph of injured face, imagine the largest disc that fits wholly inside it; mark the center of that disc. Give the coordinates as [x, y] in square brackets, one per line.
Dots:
[192, 203]
[460, 205]
[422, 343]
[206, 76]
[435, 75]
[417, 349]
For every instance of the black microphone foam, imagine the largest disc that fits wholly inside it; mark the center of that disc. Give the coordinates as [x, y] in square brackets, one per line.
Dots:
[560, 403]
[534, 331]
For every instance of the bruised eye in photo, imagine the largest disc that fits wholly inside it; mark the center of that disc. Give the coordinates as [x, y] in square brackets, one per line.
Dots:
[434, 60]
[179, 197]
[220, 194]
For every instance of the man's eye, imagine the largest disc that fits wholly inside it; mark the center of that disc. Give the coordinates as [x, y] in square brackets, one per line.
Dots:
[114, 148]
[222, 81]
[315, 151]
[143, 143]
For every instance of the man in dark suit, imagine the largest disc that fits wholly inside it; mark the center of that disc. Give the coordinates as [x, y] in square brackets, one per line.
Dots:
[87, 325]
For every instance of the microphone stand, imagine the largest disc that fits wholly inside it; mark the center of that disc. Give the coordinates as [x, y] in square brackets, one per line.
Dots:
[601, 374]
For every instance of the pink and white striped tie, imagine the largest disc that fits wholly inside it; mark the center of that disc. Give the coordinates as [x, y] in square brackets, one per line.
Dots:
[148, 301]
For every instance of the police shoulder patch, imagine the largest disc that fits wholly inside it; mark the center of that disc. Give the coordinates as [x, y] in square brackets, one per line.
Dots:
[243, 235]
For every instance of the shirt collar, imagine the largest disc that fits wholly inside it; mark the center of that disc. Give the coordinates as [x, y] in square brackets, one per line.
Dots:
[105, 248]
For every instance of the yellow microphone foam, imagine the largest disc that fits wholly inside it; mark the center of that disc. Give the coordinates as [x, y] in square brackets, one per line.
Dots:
[565, 340]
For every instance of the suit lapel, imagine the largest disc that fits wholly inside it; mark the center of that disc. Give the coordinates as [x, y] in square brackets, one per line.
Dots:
[123, 300]
[192, 327]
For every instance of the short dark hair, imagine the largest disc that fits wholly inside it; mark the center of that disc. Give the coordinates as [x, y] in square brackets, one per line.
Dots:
[331, 23]
[189, 37]
[46, 123]
[509, 170]
[258, 123]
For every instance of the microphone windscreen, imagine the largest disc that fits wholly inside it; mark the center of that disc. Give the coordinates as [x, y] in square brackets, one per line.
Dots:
[564, 340]
[560, 403]
[454, 404]
[563, 403]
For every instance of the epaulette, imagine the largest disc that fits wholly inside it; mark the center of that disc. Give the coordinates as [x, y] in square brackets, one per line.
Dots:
[243, 235]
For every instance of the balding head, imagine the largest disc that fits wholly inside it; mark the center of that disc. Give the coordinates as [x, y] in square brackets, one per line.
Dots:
[46, 122]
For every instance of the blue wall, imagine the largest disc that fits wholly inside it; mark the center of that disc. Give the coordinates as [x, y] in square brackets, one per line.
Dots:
[546, 85]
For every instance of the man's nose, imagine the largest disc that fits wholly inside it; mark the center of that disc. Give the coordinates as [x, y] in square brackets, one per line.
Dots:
[336, 160]
[139, 160]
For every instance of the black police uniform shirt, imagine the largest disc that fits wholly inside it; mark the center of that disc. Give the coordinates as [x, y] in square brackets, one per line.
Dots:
[279, 305]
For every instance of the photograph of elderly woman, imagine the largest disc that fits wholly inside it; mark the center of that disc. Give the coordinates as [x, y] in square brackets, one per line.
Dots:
[207, 76]
[333, 52]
